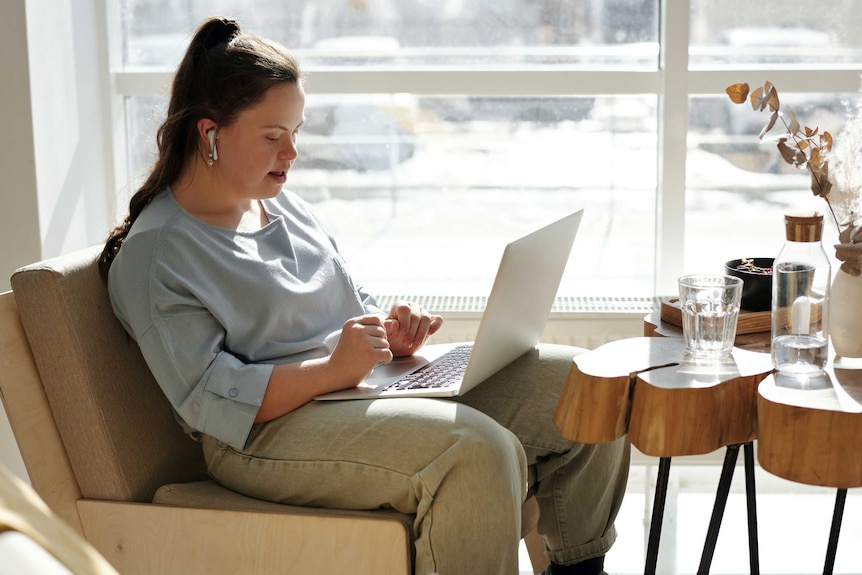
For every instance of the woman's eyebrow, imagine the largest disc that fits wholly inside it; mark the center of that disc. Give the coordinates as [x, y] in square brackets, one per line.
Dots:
[280, 127]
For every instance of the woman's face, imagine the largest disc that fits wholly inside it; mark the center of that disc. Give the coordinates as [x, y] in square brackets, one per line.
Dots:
[256, 152]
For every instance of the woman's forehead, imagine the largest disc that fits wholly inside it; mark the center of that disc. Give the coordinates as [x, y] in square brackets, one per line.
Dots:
[282, 104]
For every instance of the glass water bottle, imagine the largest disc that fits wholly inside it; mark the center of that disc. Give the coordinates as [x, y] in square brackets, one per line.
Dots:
[801, 276]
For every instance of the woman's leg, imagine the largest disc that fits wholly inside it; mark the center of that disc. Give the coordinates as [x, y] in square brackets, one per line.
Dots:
[579, 487]
[457, 470]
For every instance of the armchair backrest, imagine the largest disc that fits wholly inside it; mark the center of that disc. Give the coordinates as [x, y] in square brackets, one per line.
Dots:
[117, 427]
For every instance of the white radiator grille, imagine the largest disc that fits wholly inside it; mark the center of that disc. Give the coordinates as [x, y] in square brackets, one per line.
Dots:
[585, 322]
[455, 303]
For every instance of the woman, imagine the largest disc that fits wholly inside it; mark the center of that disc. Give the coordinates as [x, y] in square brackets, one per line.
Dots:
[244, 311]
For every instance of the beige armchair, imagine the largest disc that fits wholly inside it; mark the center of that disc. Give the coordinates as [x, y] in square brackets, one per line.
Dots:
[103, 450]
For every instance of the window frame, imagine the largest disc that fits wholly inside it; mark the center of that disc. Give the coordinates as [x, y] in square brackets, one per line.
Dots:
[673, 82]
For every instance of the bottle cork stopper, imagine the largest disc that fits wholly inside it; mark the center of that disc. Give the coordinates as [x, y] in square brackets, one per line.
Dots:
[803, 226]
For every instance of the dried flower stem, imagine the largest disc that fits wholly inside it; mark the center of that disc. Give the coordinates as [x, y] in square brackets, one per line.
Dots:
[816, 163]
[811, 149]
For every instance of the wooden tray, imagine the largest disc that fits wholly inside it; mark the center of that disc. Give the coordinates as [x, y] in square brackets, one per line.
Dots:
[748, 322]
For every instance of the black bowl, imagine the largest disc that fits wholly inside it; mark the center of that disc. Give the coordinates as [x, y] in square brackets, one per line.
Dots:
[756, 282]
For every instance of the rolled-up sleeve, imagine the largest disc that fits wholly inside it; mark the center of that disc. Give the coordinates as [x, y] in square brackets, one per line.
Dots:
[212, 390]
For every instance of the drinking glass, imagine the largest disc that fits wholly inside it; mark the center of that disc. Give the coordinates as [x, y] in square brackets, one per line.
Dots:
[710, 310]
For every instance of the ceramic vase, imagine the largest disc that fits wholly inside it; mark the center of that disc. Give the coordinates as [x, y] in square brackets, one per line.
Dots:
[845, 315]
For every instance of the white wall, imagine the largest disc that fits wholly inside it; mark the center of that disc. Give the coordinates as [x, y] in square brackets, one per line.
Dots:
[19, 217]
[55, 160]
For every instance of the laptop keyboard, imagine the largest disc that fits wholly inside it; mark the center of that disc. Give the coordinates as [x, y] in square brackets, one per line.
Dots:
[447, 370]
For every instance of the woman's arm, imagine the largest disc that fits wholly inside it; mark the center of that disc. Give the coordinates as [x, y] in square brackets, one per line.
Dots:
[362, 345]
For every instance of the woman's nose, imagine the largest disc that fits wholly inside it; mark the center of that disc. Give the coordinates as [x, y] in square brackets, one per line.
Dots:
[289, 151]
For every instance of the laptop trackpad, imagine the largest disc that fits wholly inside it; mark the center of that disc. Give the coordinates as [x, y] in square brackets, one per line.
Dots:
[386, 373]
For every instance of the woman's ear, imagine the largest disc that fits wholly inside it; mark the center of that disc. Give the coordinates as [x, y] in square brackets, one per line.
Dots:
[204, 125]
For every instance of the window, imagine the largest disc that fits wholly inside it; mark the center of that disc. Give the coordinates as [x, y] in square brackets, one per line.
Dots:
[437, 132]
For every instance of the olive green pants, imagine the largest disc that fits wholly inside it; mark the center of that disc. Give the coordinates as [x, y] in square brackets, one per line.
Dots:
[459, 466]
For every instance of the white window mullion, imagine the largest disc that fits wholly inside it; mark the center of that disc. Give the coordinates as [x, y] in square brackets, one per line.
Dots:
[672, 130]
[108, 18]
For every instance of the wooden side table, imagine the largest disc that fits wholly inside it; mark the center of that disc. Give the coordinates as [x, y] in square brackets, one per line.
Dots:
[669, 405]
[813, 436]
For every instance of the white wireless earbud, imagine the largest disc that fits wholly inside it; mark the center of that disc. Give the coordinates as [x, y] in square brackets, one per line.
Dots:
[213, 155]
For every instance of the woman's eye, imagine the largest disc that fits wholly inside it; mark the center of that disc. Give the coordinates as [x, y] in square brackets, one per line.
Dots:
[271, 139]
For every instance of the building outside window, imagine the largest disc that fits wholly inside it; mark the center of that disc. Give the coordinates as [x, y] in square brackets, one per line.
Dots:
[438, 131]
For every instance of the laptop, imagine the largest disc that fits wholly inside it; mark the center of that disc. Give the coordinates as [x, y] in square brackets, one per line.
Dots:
[512, 324]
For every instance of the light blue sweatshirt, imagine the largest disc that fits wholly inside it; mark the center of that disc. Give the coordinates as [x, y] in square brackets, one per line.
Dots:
[213, 310]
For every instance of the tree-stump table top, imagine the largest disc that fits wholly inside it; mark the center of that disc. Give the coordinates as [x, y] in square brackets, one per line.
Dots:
[668, 403]
[813, 435]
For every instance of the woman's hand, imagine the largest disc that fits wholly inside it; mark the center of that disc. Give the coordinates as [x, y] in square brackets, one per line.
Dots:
[362, 345]
[408, 327]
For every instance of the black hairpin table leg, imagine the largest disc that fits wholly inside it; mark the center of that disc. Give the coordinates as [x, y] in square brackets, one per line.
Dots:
[657, 515]
[837, 515]
[751, 506]
[721, 493]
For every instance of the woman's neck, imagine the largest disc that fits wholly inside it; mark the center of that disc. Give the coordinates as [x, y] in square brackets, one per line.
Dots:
[200, 194]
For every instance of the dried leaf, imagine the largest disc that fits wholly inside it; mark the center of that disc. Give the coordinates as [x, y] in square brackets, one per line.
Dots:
[793, 128]
[768, 95]
[851, 250]
[811, 132]
[825, 182]
[826, 141]
[738, 93]
[789, 154]
[772, 119]
[851, 234]
[815, 159]
[772, 99]
[851, 255]
[819, 169]
[816, 187]
[756, 99]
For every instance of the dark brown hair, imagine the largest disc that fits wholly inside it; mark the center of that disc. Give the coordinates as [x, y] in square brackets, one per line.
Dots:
[223, 73]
